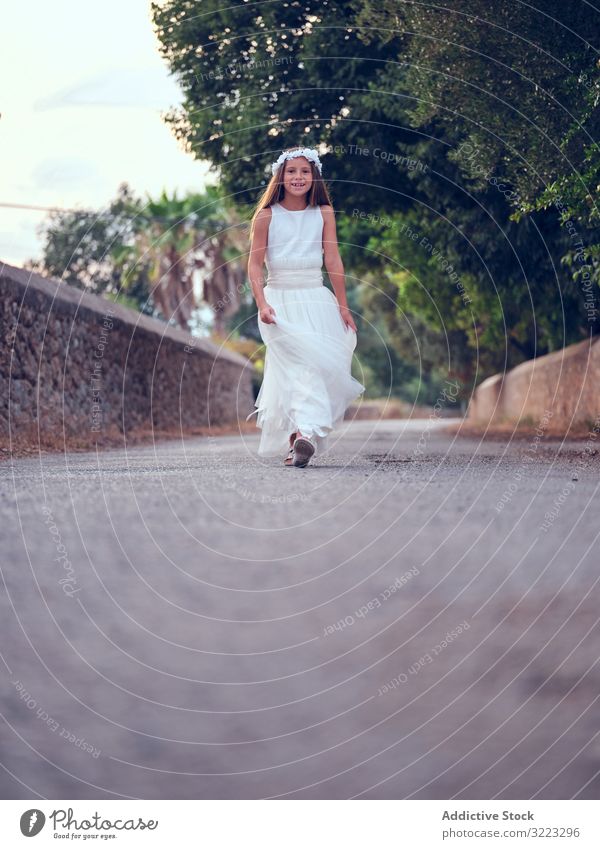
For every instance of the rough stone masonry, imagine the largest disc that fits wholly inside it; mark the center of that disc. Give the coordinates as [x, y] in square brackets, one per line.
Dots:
[76, 363]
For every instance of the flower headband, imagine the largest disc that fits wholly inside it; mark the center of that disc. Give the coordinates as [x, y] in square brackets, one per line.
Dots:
[307, 152]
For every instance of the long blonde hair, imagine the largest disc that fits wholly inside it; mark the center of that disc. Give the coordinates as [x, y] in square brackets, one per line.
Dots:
[275, 192]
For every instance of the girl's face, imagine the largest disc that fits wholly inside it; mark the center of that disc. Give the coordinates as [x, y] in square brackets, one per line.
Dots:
[297, 176]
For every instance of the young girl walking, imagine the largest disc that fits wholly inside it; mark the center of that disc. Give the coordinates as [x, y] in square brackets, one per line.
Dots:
[309, 332]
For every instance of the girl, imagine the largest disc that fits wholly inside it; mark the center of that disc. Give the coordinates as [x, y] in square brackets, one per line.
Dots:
[309, 332]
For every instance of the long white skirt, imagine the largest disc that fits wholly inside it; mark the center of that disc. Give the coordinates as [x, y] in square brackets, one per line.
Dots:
[307, 384]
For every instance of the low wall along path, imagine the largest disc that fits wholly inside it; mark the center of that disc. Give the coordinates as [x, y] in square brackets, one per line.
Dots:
[79, 365]
[559, 390]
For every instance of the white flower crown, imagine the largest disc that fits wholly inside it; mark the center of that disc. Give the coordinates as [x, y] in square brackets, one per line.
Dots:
[307, 152]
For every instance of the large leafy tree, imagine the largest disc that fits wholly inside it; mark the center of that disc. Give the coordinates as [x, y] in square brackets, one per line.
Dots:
[426, 115]
[511, 92]
[512, 77]
[260, 77]
[515, 90]
[257, 77]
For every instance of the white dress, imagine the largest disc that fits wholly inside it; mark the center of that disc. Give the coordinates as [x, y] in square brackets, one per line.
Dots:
[307, 384]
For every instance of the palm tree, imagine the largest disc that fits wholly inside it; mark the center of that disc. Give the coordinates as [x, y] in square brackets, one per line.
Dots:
[179, 238]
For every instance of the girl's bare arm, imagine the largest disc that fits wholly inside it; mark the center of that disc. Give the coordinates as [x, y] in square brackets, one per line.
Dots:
[334, 265]
[257, 256]
[331, 255]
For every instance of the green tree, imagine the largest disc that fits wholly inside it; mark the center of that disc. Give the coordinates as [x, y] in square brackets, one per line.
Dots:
[179, 238]
[81, 249]
[424, 115]
[259, 77]
[515, 88]
[147, 254]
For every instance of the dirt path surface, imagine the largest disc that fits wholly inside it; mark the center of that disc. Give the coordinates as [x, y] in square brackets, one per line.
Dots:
[413, 616]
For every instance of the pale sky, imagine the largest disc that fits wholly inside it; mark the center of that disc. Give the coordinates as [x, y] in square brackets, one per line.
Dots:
[83, 88]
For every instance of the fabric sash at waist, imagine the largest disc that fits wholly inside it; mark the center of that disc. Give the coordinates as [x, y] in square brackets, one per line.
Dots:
[295, 278]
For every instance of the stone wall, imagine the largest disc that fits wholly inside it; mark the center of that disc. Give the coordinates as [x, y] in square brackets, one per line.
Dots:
[566, 383]
[77, 363]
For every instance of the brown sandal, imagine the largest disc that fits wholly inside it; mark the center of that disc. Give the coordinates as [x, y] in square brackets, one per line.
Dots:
[303, 450]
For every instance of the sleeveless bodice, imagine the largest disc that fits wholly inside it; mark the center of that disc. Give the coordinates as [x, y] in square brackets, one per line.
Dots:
[294, 242]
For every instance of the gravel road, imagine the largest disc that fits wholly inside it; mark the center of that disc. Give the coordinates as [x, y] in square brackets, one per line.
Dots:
[416, 615]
